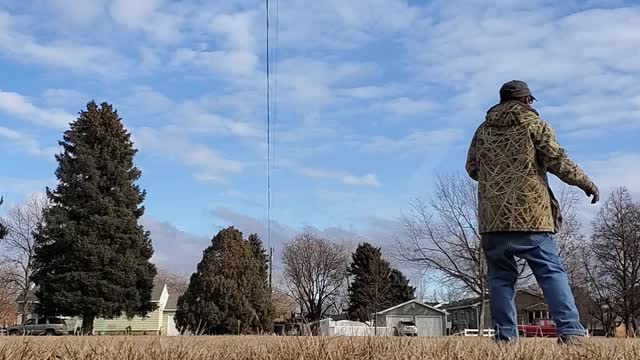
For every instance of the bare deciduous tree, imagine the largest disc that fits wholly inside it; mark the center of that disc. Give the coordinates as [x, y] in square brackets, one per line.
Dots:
[570, 238]
[441, 234]
[613, 266]
[8, 295]
[21, 222]
[176, 282]
[314, 274]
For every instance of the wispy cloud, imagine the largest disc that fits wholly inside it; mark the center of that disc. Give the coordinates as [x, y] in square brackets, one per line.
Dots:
[16, 105]
[573, 66]
[617, 169]
[27, 143]
[64, 98]
[192, 115]
[208, 164]
[24, 186]
[343, 177]
[23, 47]
[404, 106]
[147, 16]
[417, 141]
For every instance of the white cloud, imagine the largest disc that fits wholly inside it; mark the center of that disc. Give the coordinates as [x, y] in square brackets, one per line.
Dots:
[231, 62]
[22, 47]
[27, 143]
[471, 48]
[192, 116]
[14, 104]
[338, 24]
[208, 164]
[174, 249]
[343, 177]
[303, 81]
[618, 169]
[404, 106]
[417, 141]
[146, 16]
[238, 29]
[369, 92]
[23, 186]
[84, 12]
[228, 46]
[64, 98]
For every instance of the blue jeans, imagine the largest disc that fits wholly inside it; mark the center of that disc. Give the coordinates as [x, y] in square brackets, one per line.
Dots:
[540, 252]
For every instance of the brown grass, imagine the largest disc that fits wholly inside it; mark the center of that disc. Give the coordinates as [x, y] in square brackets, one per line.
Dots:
[280, 348]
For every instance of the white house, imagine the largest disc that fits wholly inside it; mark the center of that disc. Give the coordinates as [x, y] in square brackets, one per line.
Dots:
[158, 322]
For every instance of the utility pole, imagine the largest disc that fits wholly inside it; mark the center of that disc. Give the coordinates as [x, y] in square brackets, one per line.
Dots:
[271, 269]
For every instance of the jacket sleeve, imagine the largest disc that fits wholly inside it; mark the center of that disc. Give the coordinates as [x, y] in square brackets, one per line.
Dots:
[472, 165]
[555, 159]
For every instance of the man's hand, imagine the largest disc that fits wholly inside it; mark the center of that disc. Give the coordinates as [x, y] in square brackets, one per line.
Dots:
[593, 191]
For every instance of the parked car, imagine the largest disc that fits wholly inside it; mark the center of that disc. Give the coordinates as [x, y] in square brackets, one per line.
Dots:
[406, 328]
[43, 326]
[542, 328]
[3, 331]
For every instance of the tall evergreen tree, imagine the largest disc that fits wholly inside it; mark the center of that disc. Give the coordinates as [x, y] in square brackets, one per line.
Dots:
[375, 285]
[260, 295]
[92, 258]
[228, 292]
[3, 229]
[400, 291]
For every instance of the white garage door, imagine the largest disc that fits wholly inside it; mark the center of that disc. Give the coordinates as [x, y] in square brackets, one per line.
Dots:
[429, 325]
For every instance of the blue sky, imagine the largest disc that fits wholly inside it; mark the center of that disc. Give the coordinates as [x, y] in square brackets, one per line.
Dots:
[373, 99]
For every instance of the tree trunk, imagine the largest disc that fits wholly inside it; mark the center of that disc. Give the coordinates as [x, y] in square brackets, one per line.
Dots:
[87, 324]
[481, 309]
[483, 290]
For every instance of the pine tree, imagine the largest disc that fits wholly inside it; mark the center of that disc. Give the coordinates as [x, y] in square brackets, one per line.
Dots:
[371, 282]
[92, 256]
[228, 293]
[400, 291]
[3, 229]
[375, 286]
[260, 296]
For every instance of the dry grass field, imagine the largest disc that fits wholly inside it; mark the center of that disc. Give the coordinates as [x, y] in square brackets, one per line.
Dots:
[279, 348]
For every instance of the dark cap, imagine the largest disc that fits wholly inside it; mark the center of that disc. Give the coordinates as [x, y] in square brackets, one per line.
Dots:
[515, 89]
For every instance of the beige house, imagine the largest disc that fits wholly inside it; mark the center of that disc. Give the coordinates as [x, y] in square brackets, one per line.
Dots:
[161, 321]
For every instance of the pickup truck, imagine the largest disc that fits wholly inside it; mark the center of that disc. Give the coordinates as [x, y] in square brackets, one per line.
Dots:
[542, 328]
[405, 328]
[42, 326]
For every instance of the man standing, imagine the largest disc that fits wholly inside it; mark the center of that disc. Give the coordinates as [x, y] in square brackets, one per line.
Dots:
[510, 155]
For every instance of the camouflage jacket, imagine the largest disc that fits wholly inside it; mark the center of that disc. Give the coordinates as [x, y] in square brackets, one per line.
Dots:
[510, 155]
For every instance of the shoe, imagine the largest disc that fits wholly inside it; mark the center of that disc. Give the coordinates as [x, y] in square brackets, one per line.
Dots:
[572, 340]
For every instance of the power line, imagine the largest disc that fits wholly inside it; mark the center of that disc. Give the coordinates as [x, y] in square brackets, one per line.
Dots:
[269, 152]
[270, 126]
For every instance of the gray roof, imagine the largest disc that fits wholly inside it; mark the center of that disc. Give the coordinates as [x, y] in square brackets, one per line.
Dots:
[156, 292]
[475, 301]
[172, 303]
[409, 302]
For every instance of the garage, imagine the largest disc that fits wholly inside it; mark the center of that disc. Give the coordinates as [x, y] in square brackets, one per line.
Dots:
[429, 325]
[430, 321]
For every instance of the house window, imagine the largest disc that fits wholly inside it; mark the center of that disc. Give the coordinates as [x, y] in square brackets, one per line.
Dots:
[536, 315]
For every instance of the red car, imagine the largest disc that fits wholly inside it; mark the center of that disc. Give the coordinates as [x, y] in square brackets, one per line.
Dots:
[542, 328]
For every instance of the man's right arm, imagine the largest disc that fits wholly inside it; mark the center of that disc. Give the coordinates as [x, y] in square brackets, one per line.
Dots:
[472, 160]
[556, 161]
